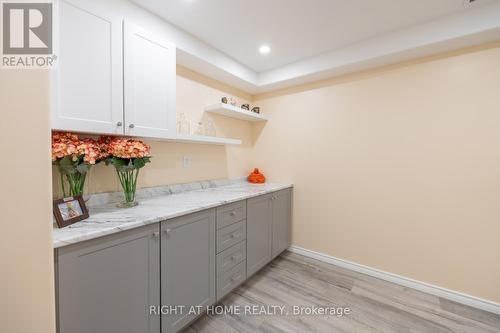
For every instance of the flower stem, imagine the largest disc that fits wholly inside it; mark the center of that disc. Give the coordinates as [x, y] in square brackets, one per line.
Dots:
[62, 184]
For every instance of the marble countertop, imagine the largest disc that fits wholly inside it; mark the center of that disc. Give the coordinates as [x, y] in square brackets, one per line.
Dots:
[108, 219]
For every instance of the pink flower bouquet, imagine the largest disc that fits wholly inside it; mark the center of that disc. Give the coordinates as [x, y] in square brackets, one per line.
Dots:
[74, 157]
[128, 157]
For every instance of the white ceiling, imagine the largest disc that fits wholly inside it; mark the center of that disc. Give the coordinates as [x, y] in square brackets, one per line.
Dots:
[305, 32]
[295, 29]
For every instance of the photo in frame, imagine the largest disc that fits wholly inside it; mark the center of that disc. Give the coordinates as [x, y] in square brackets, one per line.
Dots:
[70, 210]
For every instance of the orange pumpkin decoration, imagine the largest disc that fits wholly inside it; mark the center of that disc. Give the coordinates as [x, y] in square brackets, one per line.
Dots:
[256, 177]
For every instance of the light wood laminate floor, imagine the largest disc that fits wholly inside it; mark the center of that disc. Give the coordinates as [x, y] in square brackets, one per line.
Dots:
[375, 305]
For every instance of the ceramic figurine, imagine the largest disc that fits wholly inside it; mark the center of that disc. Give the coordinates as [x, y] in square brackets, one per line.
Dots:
[256, 109]
[245, 106]
[256, 177]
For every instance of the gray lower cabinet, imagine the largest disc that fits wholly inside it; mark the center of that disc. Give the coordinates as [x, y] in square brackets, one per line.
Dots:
[108, 284]
[187, 267]
[281, 221]
[259, 232]
[268, 228]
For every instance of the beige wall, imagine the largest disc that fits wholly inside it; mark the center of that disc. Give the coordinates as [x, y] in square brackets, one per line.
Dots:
[26, 279]
[397, 169]
[194, 93]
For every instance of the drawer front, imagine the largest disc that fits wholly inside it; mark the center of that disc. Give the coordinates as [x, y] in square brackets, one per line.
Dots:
[231, 279]
[231, 257]
[232, 213]
[231, 235]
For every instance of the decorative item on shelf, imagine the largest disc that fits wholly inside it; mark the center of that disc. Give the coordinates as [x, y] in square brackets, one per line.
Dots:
[210, 128]
[224, 100]
[232, 101]
[245, 106]
[128, 157]
[70, 210]
[74, 157]
[200, 130]
[183, 126]
[256, 109]
[256, 177]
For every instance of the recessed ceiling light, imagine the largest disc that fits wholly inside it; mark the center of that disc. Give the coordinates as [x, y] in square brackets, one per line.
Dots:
[264, 49]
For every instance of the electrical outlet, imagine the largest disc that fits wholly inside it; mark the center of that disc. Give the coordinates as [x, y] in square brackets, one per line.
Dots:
[186, 161]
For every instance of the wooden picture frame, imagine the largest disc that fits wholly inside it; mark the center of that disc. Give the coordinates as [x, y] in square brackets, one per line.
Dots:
[70, 210]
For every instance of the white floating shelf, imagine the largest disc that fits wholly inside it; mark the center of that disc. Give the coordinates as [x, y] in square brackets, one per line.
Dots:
[201, 139]
[235, 112]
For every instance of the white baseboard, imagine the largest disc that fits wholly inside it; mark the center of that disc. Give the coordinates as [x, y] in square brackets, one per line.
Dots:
[451, 295]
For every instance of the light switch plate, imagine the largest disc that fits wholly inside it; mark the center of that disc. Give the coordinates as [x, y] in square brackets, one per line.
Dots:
[186, 161]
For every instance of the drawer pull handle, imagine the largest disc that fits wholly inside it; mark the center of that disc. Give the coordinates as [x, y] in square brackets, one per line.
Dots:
[233, 213]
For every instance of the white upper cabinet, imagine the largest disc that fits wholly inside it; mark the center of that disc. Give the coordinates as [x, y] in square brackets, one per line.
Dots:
[87, 85]
[149, 76]
[112, 77]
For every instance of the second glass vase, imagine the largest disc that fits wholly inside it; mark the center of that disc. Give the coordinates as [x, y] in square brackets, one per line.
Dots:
[128, 181]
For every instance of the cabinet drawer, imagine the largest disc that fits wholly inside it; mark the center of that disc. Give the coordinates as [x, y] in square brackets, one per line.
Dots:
[232, 213]
[231, 235]
[231, 279]
[231, 257]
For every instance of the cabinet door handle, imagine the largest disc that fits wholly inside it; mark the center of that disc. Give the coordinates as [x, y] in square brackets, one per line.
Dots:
[156, 235]
[233, 258]
[233, 213]
[131, 126]
[119, 124]
[234, 235]
[167, 232]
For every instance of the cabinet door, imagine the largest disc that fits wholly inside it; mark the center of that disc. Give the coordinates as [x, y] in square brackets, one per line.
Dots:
[149, 74]
[108, 284]
[259, 233]
[282, 213]
[187, 267]
[87, 84]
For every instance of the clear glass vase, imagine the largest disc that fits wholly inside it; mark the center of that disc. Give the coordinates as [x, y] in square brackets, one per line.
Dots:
[128, 181]
[183, 126]
[75, 181]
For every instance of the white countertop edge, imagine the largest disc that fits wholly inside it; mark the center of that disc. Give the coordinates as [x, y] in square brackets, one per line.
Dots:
[141, 221]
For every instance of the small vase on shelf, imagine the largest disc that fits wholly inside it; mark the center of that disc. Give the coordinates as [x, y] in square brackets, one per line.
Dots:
[210, 128]
[200, 129]
[183, 124]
